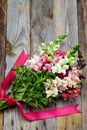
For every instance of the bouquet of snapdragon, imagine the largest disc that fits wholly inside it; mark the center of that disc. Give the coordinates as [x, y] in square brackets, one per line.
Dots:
[50, 75]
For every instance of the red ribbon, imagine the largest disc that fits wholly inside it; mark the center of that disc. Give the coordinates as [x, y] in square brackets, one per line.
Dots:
[31, 116]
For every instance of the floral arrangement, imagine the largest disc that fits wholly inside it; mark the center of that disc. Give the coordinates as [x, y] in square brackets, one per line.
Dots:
[50, 75]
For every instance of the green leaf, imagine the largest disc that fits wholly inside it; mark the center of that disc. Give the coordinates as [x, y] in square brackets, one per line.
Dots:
[3, 105]
[76, 48]
[60, 38]
[73, 52]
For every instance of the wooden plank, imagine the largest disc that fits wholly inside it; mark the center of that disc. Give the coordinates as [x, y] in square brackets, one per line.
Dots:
[2, 46]
[82, 29]
[41, 22]
[18, 31]
[42, 31]
[65, 22]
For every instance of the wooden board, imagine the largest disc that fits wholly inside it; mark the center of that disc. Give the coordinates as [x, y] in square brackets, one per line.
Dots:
[82, 27]
[42, 31]
[2, 46]
[30, 22]
[65, 22]
[18, 32]
[41, 23]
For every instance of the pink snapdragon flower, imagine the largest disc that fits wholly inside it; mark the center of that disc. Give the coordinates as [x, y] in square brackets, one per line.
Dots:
[43, 58]
[48, 67]
[56, 59]
[38, 66]
[69, 82]
[76, 71]
[59, 53]
[75, 74]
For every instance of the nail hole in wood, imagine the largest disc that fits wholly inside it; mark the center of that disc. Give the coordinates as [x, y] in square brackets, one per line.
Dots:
[12, 122]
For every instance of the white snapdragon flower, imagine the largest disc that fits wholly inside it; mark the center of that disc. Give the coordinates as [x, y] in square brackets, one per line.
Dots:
[60, 67]
[54, 69]
[33, 60]
[58, 80]
[66, 59]
[53, 92]
[64, 68]
[47, 84]
[49, 93]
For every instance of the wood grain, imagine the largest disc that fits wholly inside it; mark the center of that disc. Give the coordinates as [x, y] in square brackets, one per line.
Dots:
[41, 31]
[18, 32]
[41, 23]
[82, 29]
[65, 22]
[30, 22]
[3, 4]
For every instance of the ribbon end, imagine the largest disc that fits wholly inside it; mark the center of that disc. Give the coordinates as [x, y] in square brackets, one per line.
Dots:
[27, 55]
[77, 110]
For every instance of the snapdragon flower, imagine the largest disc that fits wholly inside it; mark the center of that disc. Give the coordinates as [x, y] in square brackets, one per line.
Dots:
[51, 88]
[53, 92]
[48, 67]
[32, 61]
[58, 68]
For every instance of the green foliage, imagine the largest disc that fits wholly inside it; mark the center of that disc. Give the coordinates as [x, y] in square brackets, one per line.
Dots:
[3, 105]
[73, 52]
[60, 38]
[28, 86]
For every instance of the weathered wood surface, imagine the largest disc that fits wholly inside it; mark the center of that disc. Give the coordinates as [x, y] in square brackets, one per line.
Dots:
[41, 22]
[30, 22]
[2, 46]
[82, 29]
[18, 32]
[42, 31]
[65, 22]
